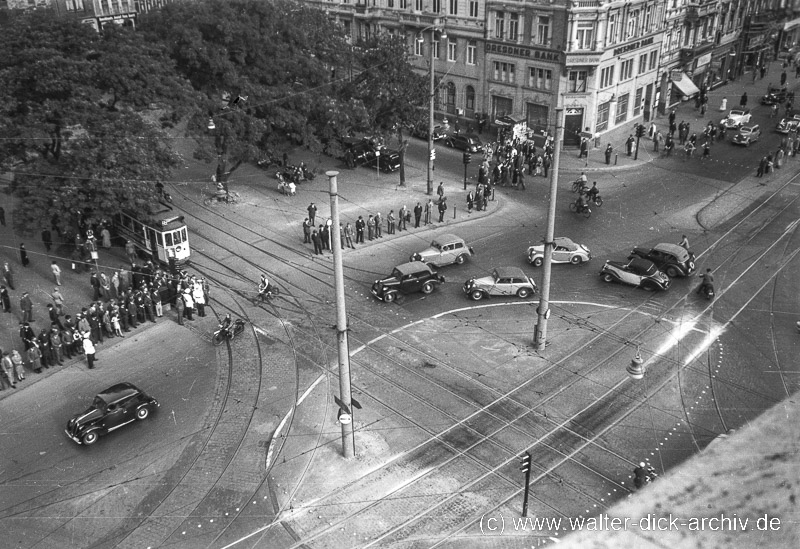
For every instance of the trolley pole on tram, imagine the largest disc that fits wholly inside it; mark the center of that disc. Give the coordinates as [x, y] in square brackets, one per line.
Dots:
[345, 401]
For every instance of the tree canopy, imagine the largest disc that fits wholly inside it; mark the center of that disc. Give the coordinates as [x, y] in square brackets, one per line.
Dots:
[72, 113]
[82, 113]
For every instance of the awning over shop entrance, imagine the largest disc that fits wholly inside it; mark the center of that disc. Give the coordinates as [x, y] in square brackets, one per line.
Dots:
[685, 85]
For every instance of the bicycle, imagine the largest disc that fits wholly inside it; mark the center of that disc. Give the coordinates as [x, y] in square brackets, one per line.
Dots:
[261, 297]
[227, 334]
[579, 185]
[585, 210]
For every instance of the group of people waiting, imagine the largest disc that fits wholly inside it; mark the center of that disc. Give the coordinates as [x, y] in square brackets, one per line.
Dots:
[123, 302]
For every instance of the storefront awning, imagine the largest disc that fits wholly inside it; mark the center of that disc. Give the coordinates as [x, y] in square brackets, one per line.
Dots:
[685, 84]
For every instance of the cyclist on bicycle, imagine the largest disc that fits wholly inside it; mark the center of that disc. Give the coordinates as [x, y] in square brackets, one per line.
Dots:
[226, 322]
[580, 184]
[593, 192]
[264, 288]
[582, 202]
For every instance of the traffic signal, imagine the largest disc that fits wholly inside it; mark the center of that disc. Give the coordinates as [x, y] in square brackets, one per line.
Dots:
[525, 463]
[433, 154]
[640, 130]
[467, 158]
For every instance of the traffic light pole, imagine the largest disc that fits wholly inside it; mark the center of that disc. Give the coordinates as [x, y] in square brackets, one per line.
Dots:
[639, 134]
[526, 466]
[467, 160]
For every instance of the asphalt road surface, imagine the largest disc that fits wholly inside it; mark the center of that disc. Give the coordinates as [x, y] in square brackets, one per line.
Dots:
[452, 390]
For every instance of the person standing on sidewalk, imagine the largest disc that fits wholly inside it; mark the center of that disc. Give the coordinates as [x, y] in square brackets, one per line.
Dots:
[418, 212]
[23, 255]
[360, 226]
[390, 222]
[402, 218]
[306, 231]
[609, 151]
[89, 350]
[5, 300]
[442, 209]
[26, 306]
[312, 213]
[370, 227]
[762, 166]
[428, 213]
[743, 100]
[378, 225]
[348, 235]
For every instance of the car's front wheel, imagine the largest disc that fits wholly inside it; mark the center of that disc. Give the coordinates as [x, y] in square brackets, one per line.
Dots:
[89, 438]
[461, 259]
[608, 278]
[672, 271]
[537, 261]
[142, 413]
[524, 293]
[388, 297]
[576, 260]
[427, 288]
[476, 295]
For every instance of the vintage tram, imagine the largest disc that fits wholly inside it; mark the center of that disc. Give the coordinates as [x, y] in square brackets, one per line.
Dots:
[161, 236]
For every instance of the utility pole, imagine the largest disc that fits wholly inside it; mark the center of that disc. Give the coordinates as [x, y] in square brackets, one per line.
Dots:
[345, 415]
[543, 311]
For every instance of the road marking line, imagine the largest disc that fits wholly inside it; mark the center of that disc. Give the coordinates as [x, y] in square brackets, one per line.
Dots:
[310, 388]
[275, 436]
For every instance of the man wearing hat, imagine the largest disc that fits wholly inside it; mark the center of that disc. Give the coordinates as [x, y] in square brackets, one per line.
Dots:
[88, 349]
[26, 306]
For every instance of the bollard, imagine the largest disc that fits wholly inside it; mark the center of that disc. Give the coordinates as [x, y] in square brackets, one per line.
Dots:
[616, 157]
[454, 212]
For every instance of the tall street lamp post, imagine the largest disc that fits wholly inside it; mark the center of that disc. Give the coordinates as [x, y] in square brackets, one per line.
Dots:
[431, 96]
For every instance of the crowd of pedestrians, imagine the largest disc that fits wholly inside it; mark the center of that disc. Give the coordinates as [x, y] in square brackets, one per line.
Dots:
[122, 302]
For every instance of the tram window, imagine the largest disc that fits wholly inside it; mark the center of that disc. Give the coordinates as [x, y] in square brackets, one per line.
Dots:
[183, 234]
[138, 228]
[126, 221]
[159, 239]
[168, 238]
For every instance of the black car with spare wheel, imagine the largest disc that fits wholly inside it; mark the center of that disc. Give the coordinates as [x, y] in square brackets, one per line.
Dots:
[407, 278]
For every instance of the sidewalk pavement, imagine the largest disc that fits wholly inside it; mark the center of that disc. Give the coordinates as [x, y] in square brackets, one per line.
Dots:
[38, 280]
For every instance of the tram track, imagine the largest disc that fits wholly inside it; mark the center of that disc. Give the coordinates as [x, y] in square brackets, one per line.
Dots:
[319, 279]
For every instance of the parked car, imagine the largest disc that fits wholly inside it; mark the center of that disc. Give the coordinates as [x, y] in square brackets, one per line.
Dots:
[672, 259]
[118, 405]
[421, 131]
[365, 153]
[787, 125]
[504, 281]
[444, 250]
[636, 272]
[736, 118]
[775, 94]
[747, 135]
[464, 142]
[564, 251]
[388, 160]
[405, 279]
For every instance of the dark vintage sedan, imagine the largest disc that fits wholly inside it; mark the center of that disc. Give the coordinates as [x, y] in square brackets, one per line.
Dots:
[672, 259]
[118, 405]
[774, 95]
[405, 279]
[466, 143]
[747, 135]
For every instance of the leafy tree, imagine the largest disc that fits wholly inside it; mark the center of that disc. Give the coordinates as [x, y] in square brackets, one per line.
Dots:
[279, 55]
[74, 107]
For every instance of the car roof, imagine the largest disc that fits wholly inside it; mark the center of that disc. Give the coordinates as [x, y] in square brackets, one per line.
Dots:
[413, 267]
[678, 251]
[566, 242]
[118, 392]
[642, 264]
[447, 238]
[509, 272]
[749, 127]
